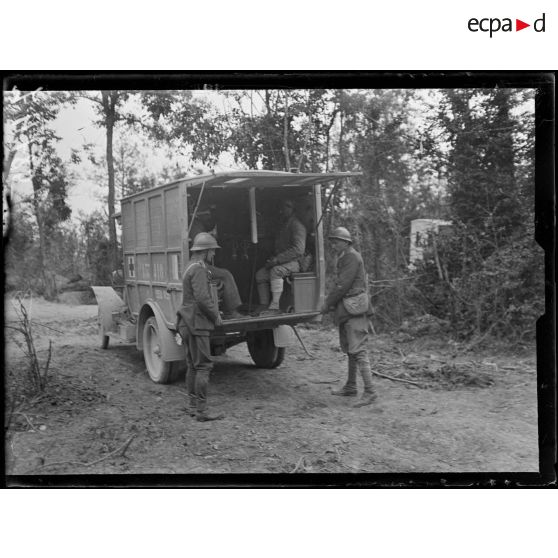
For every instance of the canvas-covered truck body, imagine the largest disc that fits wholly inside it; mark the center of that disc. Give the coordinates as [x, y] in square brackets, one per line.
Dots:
[156, 226]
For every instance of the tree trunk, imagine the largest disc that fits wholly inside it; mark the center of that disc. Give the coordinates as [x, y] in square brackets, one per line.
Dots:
[123, 171]
[286, 134]
[328, 138]
[35, 181]
[109, 103]
[341, 131]
[7, 166]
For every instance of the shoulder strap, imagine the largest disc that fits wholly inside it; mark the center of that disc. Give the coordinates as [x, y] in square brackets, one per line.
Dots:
[192, 265]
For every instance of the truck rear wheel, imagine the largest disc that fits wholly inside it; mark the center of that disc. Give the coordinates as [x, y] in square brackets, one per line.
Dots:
[158, 369]
[262, 349]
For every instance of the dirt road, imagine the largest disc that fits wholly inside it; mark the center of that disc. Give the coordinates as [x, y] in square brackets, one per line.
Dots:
[101, 414]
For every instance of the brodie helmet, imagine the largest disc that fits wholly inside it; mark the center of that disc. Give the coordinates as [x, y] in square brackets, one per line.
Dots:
[204, 241]
[341, 233]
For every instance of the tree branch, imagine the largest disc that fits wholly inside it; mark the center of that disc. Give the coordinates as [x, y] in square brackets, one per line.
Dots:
[122, 449]
[393, 379]
[90, 98]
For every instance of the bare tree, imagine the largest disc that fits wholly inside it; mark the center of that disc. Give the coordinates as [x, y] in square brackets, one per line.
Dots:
[108, 105]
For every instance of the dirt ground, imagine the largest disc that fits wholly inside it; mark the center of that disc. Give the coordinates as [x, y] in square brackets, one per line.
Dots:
[101, 414]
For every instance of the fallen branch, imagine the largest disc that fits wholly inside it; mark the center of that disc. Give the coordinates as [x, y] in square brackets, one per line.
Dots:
[121, 450]
[9, 415]
[352, 467]
[36, 399]
[26, 418]
[396, 379]
[323, 381]
[299, 465]
[338, 454]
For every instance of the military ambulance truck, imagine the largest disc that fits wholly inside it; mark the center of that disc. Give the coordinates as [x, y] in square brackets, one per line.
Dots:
[155, 242]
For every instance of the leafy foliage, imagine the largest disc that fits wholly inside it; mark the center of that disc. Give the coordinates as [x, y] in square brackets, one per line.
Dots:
[462, 155]
[95, 248]
[281, 129]
[499, 294]
[28, 117]
[487, 275]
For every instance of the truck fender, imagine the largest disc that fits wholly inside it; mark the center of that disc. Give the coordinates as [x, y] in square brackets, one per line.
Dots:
[108, 302]
[282, 336]
[170, 350]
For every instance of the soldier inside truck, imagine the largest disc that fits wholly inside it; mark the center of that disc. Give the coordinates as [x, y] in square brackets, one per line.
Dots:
[226, 215]
[228, 295]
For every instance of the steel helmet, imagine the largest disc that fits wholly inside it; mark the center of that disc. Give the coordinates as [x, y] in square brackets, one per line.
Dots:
[204, 241]
[341, 233]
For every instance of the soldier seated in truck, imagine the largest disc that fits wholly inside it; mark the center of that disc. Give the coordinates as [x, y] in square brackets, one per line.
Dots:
[290, 246]
[205, 222]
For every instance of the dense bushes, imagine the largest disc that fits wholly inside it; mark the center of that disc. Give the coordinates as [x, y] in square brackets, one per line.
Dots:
[500, 294]
[74, 250]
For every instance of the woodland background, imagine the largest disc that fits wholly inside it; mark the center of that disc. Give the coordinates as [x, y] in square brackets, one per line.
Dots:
[462, 155]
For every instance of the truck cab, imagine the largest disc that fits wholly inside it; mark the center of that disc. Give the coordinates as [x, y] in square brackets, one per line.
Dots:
[156, 226]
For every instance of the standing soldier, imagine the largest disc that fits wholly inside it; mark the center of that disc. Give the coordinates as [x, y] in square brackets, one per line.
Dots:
[205, 221]
[350, 286]
[198, 315]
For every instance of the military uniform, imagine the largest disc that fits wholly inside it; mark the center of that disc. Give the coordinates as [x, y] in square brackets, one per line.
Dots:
[223, 278]
[353, 330]
[196, 319]
[290, 245]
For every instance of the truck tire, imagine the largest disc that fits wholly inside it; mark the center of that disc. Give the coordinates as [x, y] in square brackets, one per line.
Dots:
[158, 369]
[262, 349]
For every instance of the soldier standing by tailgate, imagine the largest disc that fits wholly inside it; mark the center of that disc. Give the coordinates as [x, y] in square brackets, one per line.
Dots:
[205, 221]
[353, 329]
[196, 318]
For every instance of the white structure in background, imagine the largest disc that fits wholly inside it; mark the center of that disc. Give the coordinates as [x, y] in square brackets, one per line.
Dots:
[421, 233]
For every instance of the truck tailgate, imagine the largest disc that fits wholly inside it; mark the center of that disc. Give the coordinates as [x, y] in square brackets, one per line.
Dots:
[266, 322]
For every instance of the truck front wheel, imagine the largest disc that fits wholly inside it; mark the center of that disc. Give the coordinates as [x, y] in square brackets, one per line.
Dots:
[158, 369]
[262, 349]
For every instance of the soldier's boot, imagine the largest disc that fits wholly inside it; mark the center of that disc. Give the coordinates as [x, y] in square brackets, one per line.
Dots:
[192, 405]
[369, 395]
[267, 308]
[233, 315]
[276, 286]
[204, 416]
[350, 387]
[192, 400]
[345, 391]
[367, 398]
[263, 294]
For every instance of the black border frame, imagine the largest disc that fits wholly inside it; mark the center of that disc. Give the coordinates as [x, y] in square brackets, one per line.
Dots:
[545, 229]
